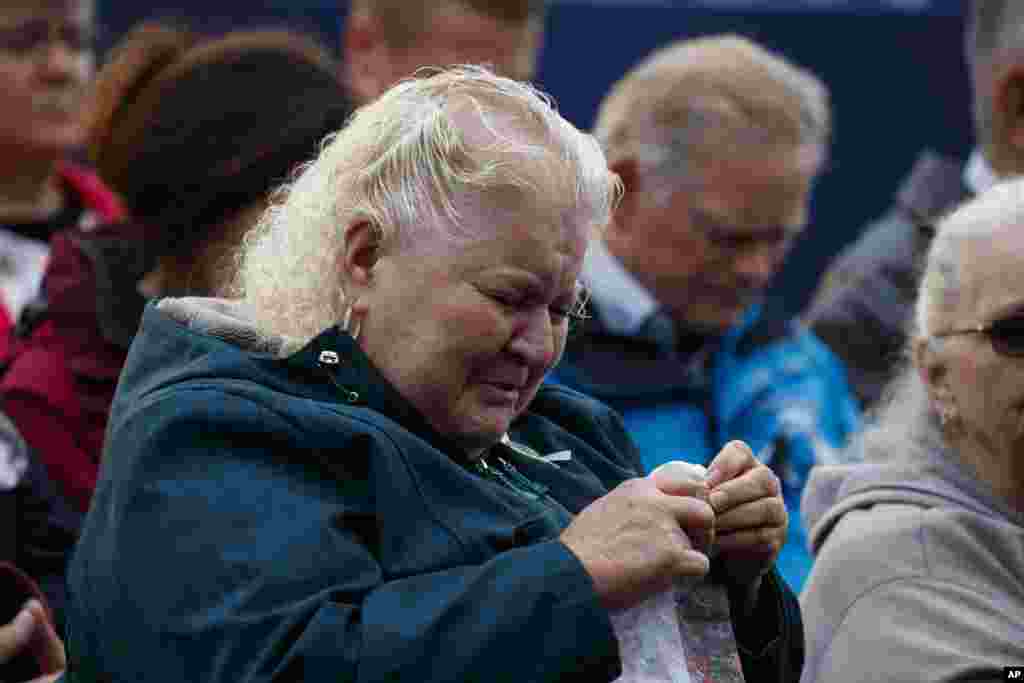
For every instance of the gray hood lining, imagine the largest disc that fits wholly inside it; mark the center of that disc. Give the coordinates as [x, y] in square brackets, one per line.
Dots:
[231, 321]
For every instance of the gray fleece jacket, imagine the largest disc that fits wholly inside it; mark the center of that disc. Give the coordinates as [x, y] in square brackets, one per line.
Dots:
[919, 574]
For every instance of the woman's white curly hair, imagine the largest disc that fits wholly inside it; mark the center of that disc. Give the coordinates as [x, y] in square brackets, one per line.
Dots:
[403, 163]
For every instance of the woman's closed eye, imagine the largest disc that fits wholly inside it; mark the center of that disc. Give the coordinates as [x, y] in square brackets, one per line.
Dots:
[560, 310]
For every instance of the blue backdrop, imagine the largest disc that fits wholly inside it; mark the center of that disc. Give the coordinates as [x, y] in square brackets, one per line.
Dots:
[894, 68]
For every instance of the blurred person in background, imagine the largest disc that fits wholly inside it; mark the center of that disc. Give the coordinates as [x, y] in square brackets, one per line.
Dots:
[718, 143]
[193, 133]
[865, 301]
[920, 549]
[385, 41]
[345, 466]
[46, 66]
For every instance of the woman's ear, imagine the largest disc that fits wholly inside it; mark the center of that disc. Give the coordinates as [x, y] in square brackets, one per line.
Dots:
[360, 253]
[934, 374]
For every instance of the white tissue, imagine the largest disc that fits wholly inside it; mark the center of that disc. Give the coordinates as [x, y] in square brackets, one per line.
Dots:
[650, 644]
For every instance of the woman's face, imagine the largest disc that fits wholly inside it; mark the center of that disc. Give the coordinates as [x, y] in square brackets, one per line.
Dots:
[466, 333]
[986, 387]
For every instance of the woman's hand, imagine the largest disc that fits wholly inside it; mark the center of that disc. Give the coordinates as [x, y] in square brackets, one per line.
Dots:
[635, 541]
[32, 632]
[750, 515]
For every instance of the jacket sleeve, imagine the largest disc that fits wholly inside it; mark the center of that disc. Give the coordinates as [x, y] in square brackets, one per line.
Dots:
[862, 307]
[236, 564]
[916, 629]
[771, 639]
[52, 430]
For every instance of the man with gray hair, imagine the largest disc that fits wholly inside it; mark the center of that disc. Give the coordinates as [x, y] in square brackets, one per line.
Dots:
[717, 142]
[385, 41]
[863, 306]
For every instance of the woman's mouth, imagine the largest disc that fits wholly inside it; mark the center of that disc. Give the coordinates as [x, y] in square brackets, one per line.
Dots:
[501, 392]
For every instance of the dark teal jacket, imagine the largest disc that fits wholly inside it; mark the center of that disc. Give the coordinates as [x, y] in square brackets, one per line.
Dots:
[268, 515]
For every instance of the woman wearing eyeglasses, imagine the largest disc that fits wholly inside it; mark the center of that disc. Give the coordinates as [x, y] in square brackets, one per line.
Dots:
[920, 550]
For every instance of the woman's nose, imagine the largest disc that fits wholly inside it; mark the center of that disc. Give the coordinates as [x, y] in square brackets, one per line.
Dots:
[533, 338]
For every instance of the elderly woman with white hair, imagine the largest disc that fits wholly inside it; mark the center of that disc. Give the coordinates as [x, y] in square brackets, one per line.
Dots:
[354, 473]
[920, 550]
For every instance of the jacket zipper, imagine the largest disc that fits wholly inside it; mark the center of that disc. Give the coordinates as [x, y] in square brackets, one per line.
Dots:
[510, 478]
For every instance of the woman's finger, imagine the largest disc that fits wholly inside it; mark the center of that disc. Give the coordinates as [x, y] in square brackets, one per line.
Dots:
[755, 484]
[734, 459]
[766, 512]
[763, 542]
[16, 634]
[45, 643]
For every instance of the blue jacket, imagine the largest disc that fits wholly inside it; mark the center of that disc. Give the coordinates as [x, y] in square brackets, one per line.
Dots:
[768, 382]
[267, 514]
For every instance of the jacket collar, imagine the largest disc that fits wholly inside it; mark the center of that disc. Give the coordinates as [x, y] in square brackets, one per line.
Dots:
[978, 175]
[332, 360]
[339, 361]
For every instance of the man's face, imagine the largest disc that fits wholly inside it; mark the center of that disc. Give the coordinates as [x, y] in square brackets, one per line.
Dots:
[455, 35]
[46, 62]
[706, 245]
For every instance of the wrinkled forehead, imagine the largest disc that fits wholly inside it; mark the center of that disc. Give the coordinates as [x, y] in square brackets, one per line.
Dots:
[79, 11]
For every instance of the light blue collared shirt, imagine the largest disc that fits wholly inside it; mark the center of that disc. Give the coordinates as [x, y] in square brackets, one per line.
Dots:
[978, 174]
[623, 304]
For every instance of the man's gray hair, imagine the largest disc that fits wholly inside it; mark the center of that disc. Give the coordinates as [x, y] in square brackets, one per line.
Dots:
[406, 164]
[710, 95]
[995, 35]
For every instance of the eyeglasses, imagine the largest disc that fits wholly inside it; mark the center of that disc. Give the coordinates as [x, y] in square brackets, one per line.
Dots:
[1006, 334]
[33, 37]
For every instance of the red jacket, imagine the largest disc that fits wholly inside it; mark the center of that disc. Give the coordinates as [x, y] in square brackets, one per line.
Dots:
[60, 378]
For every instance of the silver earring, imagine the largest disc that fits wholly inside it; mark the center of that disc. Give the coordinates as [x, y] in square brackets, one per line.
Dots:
[347, 322]
[948, 416]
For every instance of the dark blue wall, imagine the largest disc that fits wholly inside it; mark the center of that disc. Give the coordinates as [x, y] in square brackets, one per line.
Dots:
[897, 80]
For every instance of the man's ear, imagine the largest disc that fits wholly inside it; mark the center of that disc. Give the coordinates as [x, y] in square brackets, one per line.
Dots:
[360, 254]
[628, 171]
[934, 373]
[365, 56]
[1008, 105]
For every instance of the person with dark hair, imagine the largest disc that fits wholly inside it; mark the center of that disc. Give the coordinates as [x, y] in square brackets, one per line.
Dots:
[46, 66]
[193, 134]
[385, 41]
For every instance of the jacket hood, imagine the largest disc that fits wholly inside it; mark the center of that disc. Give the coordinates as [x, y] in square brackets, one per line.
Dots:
[933, 478]
[196, 338]
[202, 341]
[229, 321]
